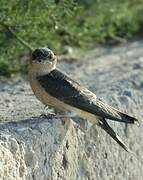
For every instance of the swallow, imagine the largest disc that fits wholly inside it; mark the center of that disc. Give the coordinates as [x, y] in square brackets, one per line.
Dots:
[54, 88]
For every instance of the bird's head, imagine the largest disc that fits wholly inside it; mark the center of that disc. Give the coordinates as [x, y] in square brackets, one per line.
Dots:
[43, 59]
[43, 56]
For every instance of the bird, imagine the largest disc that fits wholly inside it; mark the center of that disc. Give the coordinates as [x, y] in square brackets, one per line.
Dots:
[56, 89]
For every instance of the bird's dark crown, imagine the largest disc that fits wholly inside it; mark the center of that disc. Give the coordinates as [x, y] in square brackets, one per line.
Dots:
[42, 54]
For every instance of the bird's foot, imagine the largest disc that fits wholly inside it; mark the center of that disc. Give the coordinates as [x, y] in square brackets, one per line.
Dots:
[53, 115]
[48, 112]
[49, 115]
[66, 115]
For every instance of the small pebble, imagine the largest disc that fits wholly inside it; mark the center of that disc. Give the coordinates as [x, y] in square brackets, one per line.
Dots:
[127, 93]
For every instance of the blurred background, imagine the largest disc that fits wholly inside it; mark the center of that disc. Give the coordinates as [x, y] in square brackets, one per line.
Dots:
[82, 24]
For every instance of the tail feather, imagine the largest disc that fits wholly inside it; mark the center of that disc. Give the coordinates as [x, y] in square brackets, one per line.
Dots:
[104, 125]
[126, 118]
[108, 112]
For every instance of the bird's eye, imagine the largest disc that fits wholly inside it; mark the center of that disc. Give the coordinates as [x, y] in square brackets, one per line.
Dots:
[50, 55]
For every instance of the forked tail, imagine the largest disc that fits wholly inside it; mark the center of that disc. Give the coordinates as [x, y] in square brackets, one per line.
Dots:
[104, 125]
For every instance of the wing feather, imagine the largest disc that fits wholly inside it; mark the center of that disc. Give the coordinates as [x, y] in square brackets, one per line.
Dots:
[65, 89]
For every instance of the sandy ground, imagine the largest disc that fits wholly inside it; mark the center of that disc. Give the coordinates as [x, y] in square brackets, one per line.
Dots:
[116, 76]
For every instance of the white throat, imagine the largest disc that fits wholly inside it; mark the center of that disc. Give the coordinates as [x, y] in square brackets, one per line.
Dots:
[37, 69]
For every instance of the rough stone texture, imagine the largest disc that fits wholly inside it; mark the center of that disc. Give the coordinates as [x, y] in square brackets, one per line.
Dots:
[33, 148]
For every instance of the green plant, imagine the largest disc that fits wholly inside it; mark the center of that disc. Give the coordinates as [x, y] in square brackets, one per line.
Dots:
[25, 25]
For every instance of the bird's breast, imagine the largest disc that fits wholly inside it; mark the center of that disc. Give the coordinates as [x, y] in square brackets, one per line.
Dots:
[46, 98]
[40, 93]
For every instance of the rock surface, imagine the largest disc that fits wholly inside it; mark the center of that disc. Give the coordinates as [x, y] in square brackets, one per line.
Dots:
[34, 148]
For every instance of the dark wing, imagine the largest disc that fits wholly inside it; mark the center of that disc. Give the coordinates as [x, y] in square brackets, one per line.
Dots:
[70, 92]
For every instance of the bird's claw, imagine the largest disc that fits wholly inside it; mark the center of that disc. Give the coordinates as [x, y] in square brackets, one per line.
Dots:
[49, 115]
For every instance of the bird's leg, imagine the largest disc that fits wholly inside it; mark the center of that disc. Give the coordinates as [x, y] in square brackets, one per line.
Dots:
[55, 113]
[63, 114]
